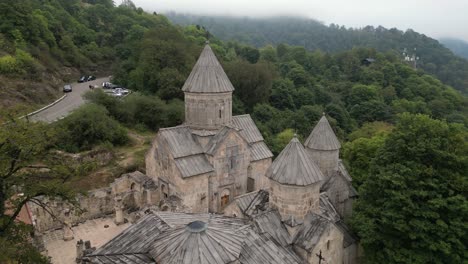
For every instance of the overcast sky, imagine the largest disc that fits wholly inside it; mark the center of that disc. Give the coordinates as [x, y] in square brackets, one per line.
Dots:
[435, 18]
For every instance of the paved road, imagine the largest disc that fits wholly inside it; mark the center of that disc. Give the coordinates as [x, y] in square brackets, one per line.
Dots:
[68, 104]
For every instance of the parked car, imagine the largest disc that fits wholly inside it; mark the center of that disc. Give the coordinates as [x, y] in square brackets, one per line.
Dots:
[91, 78]
[106, 85]
[67, 88]
[83, 79]
[119, 92]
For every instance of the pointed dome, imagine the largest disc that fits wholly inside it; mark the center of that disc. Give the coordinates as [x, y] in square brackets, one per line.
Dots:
[294, 167]
[322, 137]
[216, 241]
[207, 75]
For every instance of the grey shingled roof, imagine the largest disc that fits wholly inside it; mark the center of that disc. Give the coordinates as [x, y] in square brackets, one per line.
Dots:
[294, 167]
[186, 150]
[262, 248]
[270, 222]
[180, 141]
[249, 131]
[120, 258]
[260, 151]
[207, 75]
[218, 241]
[252, 203]
[193, 165]
[327, 209]
[136, 238]
[247, 128]
[216, 141]
[322, 137]
[311, 231]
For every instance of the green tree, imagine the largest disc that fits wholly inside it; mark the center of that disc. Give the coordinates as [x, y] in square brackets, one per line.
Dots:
[251, 81]
[412, 207]
[28, 169]
[87, 127]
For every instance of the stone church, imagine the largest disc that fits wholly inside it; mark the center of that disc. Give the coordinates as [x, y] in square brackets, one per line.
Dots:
[213, 195]
[214, 156]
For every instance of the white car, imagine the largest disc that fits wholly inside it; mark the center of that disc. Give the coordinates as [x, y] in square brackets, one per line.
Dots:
[119, 92]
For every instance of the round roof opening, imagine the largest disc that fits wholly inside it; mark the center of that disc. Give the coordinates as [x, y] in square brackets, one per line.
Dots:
[197, 226]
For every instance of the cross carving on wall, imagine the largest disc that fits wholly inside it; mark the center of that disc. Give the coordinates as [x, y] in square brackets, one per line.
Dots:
[320, 257]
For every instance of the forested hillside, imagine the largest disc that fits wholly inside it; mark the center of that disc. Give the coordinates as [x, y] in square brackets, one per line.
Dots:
[458, 46]
[46, 43]
[404, 131]
[434, 58]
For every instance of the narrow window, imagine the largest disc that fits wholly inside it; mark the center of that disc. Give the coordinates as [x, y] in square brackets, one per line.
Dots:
[220, 113]
[328, 244]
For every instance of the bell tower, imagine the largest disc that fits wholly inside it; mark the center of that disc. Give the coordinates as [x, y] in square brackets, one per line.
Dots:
[208, 94]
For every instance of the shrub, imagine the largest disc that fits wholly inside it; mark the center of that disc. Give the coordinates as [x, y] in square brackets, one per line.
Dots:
[8, 65]
[87, 127]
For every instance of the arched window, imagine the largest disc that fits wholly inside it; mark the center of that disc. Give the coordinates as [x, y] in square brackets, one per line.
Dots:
[225, 196]
[132, 187]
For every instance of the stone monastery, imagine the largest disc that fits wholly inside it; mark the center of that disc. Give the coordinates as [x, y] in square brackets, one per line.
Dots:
[212, 193]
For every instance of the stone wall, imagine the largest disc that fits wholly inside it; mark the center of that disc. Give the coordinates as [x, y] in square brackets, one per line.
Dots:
[327, 160]
[331, 246]
[293, 200]
[97, 203]
[133, 188]
[230, 161]
[208, 111]
[258, 173]
[338, 193]
[193, 192]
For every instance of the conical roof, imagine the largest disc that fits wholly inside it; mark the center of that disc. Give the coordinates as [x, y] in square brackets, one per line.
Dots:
[207, 75]
[294, 167]
[200, 242]
[322, 137]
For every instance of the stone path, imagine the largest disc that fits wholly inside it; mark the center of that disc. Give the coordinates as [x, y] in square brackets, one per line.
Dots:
[64, 252]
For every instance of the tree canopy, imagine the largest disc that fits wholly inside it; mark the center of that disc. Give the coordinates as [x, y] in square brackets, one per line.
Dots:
[412, 206]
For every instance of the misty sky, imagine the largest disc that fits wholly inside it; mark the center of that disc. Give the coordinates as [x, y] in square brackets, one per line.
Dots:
[435, 18]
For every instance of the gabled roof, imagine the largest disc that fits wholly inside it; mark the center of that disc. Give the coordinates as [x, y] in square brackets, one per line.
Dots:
[253, 203]
[313, 228]
[207, 75]
[340, 176]
[249, 131]
[270, 222]
[180, 141]
[294, 167]
[260, 151]
[193, 165]
[247, 128]
[263, 248]
[322, 137]
[216, 141]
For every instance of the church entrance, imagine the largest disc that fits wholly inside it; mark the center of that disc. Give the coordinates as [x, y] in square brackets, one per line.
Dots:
[225, 196]
[250, 184]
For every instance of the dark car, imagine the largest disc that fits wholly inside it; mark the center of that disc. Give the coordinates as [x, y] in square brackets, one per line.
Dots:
[91, 78]
[83, 79]
[67, 88]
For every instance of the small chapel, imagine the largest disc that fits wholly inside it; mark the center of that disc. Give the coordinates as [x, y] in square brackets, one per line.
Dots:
[219, 197]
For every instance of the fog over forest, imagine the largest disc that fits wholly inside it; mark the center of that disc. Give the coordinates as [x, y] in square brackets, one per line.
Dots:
[427, 17]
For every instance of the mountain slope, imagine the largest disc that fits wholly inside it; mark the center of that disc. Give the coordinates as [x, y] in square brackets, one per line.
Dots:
[457, 46]
[434, 57]
[45, 43]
